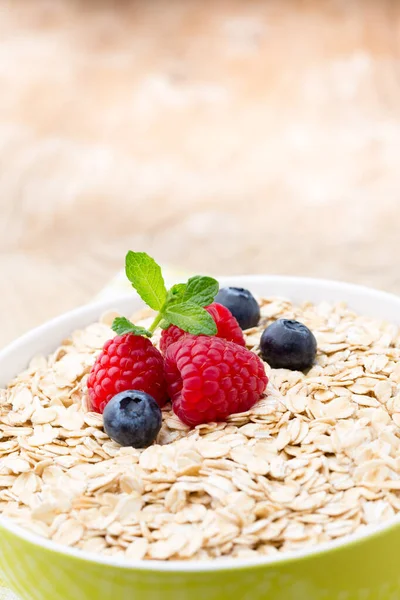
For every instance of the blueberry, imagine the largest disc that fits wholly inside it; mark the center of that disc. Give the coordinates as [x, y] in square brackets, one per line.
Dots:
[242, 305]
[132, 418]
[288, 344]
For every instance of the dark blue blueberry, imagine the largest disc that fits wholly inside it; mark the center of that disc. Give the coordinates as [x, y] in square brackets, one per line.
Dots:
[288, 344]
[132, 418]
[242, 305]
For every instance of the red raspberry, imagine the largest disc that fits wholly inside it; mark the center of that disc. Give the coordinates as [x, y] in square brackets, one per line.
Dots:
[169, 336]
[127, 362]
[227, 328]
[209, 378]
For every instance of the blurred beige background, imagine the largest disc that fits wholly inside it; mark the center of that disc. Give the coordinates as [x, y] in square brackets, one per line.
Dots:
[223, 135]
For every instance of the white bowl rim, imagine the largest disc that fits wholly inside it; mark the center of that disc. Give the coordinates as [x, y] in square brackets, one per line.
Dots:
[222, 564]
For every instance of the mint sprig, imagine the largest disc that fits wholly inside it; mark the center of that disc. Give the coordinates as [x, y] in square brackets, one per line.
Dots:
[122, 325]
[145, 276]
[201, 290]
[182, 305]
[191, 318]
[176, 293]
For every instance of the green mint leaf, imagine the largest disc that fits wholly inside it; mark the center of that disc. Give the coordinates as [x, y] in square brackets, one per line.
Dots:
[191, 318]
[146, 277]
[176, 293]
[178, 289]
[121, 325]
[201, 290]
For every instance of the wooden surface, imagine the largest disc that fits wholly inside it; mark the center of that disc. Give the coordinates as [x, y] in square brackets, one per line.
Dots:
[223, 136]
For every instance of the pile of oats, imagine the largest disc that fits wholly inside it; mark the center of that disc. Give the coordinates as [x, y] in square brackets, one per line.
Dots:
[316, 459]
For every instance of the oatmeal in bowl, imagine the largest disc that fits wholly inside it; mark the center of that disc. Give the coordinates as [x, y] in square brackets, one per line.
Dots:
[307, 475]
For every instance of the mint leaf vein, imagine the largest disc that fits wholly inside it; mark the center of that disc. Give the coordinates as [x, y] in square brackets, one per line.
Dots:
[146, 277]
[201, 290]
[191, 318]
[122, 325]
